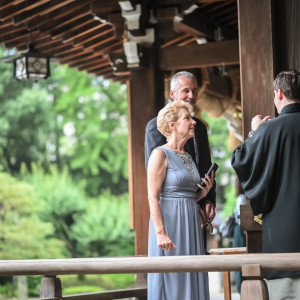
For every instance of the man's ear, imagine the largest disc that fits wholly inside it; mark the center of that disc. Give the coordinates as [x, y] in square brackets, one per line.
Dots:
[171, 94]
[280, 94]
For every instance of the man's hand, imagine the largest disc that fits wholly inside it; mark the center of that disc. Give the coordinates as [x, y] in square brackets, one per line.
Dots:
[210, 211]
[257, 120]
[207, 212]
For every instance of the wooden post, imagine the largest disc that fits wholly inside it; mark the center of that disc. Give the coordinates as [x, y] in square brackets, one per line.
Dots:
[50, 287]
[253, 286]
[252, 228]
[145, 98]
[227, 285]
[256, 59]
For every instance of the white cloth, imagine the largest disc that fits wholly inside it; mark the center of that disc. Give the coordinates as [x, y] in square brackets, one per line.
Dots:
[284, 288]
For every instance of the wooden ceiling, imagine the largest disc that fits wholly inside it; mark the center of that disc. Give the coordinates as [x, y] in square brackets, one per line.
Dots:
[84, 33]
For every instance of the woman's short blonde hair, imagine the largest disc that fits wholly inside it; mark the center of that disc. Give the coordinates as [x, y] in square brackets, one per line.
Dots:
[170, 114]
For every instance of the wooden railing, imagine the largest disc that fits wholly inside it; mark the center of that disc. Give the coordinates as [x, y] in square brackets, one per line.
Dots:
[252, 266]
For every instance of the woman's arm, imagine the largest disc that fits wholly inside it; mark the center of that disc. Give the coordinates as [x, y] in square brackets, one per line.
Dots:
[157, 167]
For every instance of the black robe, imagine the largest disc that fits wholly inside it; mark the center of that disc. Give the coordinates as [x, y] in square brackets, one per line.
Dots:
[268, 167]
[197, 147]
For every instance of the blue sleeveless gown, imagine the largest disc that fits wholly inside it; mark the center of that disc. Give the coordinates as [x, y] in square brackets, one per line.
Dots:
[183, 225]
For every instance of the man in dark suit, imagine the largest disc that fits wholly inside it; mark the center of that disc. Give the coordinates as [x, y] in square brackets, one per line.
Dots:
[184, 87]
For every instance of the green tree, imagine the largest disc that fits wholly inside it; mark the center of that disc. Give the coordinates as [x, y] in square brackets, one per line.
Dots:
[88, 226]
[26, 130]
[93, 115]
[23, 234]
[26, 122]
[104, 229]
[72, 119]
[62, 200]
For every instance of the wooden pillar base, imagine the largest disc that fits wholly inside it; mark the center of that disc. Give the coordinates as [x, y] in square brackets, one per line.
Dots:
[141, 282]
[253, 286]
[50, 287]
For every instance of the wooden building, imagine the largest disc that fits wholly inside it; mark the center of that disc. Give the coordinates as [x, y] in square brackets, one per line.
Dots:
[234, 47]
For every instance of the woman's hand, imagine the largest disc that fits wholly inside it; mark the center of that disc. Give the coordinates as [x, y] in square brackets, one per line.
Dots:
[164, 242]
[209, 182]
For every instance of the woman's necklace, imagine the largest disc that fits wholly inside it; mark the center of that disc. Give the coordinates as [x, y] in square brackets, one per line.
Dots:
[188, 162]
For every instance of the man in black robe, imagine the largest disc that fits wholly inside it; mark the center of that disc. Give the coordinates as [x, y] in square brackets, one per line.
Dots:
[184, 87]
[268, 167]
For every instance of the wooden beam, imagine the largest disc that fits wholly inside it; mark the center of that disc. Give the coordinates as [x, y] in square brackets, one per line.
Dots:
[74, 58]
[71, 57]
[99, 41]
[196, 24]
[132, 293]
[22, 43]
[256, 60]
[197, 56]
[86, 60]
[39, 10]
[211, 1]
[57, 15]
[95, 65]
[109, 46]
[75, 17]
[7, 12]
[93, 35]
[104, 7]
[82, 30]
[92, 63]
[83, 23]
[101, 70]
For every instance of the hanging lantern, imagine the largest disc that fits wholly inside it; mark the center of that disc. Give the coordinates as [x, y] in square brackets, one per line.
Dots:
[31, 65]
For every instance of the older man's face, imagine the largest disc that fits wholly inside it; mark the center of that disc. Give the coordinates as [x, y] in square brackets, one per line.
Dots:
[186, 90]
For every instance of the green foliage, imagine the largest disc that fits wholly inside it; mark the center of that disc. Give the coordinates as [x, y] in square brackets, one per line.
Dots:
[230, 201]
[26, 128]
[7, 290]
[71, 119]
[73, 290]
[23, 234]
[100, 282]
[34, 285]
[62, 201]
[89, 227]
[218, 136]
[119, 281]
[103, 230]
[94, 119]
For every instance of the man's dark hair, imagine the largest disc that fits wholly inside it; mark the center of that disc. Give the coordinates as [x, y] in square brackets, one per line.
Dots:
[289, 83]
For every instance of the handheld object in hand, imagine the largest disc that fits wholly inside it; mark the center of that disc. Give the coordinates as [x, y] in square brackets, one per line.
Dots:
[214, 168]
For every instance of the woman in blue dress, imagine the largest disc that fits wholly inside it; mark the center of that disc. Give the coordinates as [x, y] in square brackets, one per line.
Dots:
[175, 220]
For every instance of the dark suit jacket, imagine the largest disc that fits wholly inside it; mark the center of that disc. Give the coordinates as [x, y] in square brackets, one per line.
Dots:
[197, 147]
